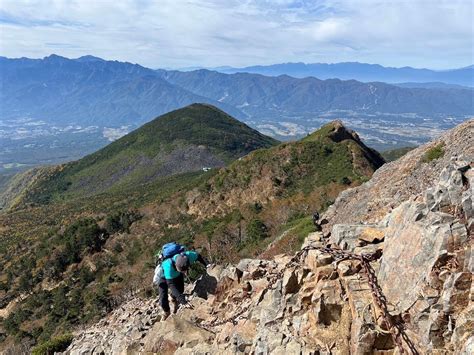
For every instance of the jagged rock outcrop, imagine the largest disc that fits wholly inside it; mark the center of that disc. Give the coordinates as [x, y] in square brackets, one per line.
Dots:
[427, 264]
[312, 303]
[398, 181]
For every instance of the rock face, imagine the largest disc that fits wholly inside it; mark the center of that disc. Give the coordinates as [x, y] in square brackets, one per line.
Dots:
[317, 303]
[430, 239]
[400, 180]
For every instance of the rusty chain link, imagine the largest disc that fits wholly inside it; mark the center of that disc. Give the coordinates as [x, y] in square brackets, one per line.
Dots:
[396, 328]
[216, 323]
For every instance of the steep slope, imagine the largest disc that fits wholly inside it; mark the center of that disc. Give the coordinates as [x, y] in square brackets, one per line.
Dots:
[189, 139]
[73, 260]
[402, 285]
[397, 181]
[328, 158]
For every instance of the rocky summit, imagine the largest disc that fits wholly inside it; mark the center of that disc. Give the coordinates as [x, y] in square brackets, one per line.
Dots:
[393, 276]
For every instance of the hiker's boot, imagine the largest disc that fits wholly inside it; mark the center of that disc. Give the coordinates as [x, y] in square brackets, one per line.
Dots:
[175, 305]
[165, 316]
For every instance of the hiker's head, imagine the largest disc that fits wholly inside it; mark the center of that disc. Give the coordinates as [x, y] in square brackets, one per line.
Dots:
[182, 263]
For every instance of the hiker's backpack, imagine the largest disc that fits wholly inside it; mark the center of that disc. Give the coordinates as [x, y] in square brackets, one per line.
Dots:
[171, 249]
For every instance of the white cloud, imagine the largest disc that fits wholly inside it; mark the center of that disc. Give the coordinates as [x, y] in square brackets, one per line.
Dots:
[177, 33]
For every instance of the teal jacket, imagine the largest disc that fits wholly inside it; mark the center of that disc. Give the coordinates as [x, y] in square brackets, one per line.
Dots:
[167, 270]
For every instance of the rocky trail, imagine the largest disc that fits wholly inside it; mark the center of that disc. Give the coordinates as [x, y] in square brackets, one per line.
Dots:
[382, 279]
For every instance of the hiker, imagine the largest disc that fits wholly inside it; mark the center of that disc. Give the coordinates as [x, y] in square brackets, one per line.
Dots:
[316, 223]
[169, 274]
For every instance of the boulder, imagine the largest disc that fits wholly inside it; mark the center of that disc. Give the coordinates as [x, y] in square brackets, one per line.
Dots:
[166, 337]
[414, 245]
[290, 282]
[313, 239]
[350, 236]
[205, 285]
[316, 258]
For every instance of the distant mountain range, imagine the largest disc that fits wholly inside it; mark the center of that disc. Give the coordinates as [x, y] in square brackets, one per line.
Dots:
[263, 96]
[433, 85]
[56, 109]
[87, 91]
[361, 72]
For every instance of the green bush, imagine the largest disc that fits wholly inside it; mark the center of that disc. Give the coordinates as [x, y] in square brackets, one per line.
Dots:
[256, 230]
[345, 181]
[56, 344]
[434, 153]
[121, 221]
[256, 207]
[394, 154]
[15, 319]
[196, 271]
[134, 252]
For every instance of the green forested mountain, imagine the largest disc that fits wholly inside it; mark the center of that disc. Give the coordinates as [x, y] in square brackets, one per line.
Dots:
[193, 138]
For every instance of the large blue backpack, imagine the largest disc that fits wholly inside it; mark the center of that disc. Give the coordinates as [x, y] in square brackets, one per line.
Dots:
[171, 249]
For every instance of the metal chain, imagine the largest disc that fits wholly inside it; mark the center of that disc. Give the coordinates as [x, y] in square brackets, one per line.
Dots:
[216, 322]
[396, 328]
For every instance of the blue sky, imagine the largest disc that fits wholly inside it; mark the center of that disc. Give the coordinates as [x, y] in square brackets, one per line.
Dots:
[184, 33]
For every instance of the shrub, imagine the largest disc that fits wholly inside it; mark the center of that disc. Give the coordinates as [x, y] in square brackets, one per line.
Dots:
[13, 321]
[56, 344]
[434, 153]
[196, 271]
[84, 234]
[121, 221]
[345, 181]
[85, 276]
[256, 207]
[101, 300]
[134, 253]
[256, 230]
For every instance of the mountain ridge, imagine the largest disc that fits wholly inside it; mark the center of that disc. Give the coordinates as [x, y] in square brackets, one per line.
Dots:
[89, 92]
[361, 71]
[259, 95]
[333, 156]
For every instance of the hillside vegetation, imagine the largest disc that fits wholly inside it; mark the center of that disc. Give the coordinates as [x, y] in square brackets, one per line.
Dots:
[331, 156]
[394, 154]
[73, 260]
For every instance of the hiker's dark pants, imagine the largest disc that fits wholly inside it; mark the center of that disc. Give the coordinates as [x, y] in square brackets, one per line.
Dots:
[176, 286]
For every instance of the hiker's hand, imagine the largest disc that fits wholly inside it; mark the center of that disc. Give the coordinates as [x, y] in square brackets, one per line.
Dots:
[209, 266]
